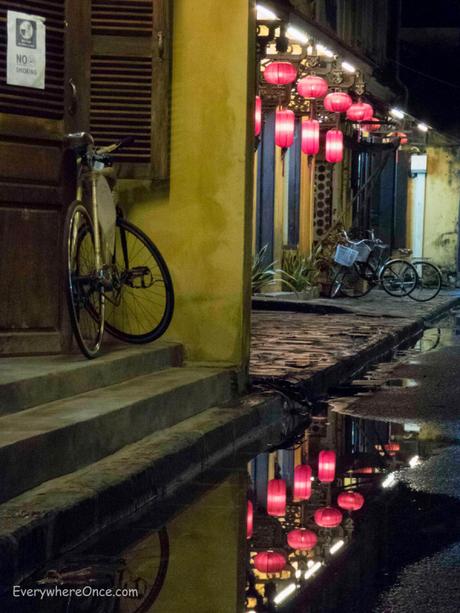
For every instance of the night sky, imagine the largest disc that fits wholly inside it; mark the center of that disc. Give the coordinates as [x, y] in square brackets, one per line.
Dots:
[429, 65]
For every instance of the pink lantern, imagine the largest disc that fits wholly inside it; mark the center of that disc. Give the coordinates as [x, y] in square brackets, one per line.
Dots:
[372, 127]
[312, 87]
[269, 562]
[337, 102]
[360, 111]
[302, 482]
[284, 128]
[280, 73]
[302, 539]
[258, 116]
[310, 136]
[326, 465]
[350, 501]
[328, 517]
[249, 520]
[276, 497]
[334, 146]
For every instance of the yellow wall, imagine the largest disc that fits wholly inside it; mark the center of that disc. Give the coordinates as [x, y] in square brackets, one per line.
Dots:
[441, 207]
[203, 224]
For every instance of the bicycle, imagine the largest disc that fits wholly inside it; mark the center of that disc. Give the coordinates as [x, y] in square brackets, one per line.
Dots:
[115, 277]
[364, 265]
[429, 278]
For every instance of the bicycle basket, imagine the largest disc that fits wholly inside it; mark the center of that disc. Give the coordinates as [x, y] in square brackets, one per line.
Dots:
[363, 252]
[346, 256]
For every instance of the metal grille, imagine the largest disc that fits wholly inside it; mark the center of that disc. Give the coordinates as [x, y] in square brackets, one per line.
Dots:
[49, 102]
[121, 103]
[122, 17]
[322, 220]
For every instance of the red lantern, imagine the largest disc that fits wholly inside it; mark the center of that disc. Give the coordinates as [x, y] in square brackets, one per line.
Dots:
[280, 73]
[372, 127]
[269, 562]
[361, 111]
[328, 517]
[276, 497]
[258, 116]
[350, 501]
[392, 447]
[326, 466]
[337, 102]
[249, 520]
[334, 146]
[302, 539]
[302, 482]
[401, 135]
[284, 128]
[312, 87]
[310, 136]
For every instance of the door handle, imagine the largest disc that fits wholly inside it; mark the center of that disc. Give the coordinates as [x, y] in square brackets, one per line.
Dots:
[72, 108]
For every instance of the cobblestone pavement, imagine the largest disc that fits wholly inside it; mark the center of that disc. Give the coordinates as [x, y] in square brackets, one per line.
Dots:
[295, 345]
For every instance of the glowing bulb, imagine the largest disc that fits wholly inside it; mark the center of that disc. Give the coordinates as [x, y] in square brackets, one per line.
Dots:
[397, 113]
[264, 13]
[322, 50]
[336, 547]
[285, 593]
[414, 461]
[423, 127]
[297, 35]
[389, 481]
[348, 67]
[310, 572]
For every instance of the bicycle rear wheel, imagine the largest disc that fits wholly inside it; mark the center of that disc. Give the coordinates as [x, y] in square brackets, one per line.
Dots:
[141, 304]
[354, 282]
[84, 292]
[398, 278]
[429, 281]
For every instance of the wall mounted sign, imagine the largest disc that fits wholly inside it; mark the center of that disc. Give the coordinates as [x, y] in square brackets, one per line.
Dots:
[26, 56]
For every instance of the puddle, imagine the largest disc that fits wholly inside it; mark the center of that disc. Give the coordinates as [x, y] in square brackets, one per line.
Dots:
[400, 383]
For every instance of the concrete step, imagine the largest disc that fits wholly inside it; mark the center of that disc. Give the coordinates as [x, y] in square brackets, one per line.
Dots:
[56, 438]
[30, 381]
[62, 513]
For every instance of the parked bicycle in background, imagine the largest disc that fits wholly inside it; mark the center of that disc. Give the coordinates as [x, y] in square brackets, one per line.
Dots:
[116, 278]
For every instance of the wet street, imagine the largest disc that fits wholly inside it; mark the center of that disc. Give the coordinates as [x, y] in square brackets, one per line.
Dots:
[395, 436]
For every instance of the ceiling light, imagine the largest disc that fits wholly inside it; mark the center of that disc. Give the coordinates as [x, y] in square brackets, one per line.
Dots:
[414, 461]
[322, 50]
[336, 547]
[389, 481]
[311, 571]
[397, 113]
[285, 593]
[297, 35]
[423, 127]
[264, 13]
[348, 67]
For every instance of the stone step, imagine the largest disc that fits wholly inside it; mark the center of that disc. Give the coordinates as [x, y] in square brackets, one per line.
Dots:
[56, 438]
[30, 381]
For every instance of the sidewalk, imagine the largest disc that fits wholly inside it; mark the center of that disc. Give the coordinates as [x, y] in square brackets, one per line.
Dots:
[323, 342]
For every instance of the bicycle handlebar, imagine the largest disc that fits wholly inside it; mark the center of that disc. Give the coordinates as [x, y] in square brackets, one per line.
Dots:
[124, 142]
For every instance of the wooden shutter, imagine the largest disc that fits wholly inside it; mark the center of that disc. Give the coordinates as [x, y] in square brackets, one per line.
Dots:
[48, 103]
[129, 88]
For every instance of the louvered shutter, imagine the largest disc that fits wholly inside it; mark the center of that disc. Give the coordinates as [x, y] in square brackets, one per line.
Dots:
[127, 77]
[47, 103]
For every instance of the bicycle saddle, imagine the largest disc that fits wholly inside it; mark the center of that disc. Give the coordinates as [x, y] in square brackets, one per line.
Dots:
[78, 140]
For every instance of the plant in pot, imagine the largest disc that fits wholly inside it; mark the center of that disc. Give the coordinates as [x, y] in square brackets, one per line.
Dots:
[263, 272]
[299, 273]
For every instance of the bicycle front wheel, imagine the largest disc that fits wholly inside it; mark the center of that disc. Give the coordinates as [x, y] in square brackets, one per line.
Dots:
[140, 306]
[353, 282]
[398, 278]
[429, 281]
[84, 292]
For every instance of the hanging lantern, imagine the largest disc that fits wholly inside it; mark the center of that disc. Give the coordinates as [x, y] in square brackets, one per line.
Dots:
[350, 501]
[310, 136]
[337, 102]
[326, 465]
[258, 116]
[360, 111]
[284, 128]
[276, 497]
[302, 539]
[392, 447]
[280, 73]
[249, 520]
[269, 562]
[328, 517]
[334, 146]
[401, 135]
[302, 482]
[312, 87]
[372, 127]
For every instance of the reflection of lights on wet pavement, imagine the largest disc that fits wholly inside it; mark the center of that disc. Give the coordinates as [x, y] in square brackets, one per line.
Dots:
[414, 461]
[298, 574]
[335, 548]
[311, 571]
[390, 481]
[285, 593]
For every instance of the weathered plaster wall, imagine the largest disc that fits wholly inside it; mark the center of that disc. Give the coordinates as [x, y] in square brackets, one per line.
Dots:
[202, 224]
[442, 206]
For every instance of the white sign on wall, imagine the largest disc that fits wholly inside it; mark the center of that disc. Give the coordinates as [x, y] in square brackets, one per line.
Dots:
[26, 55]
